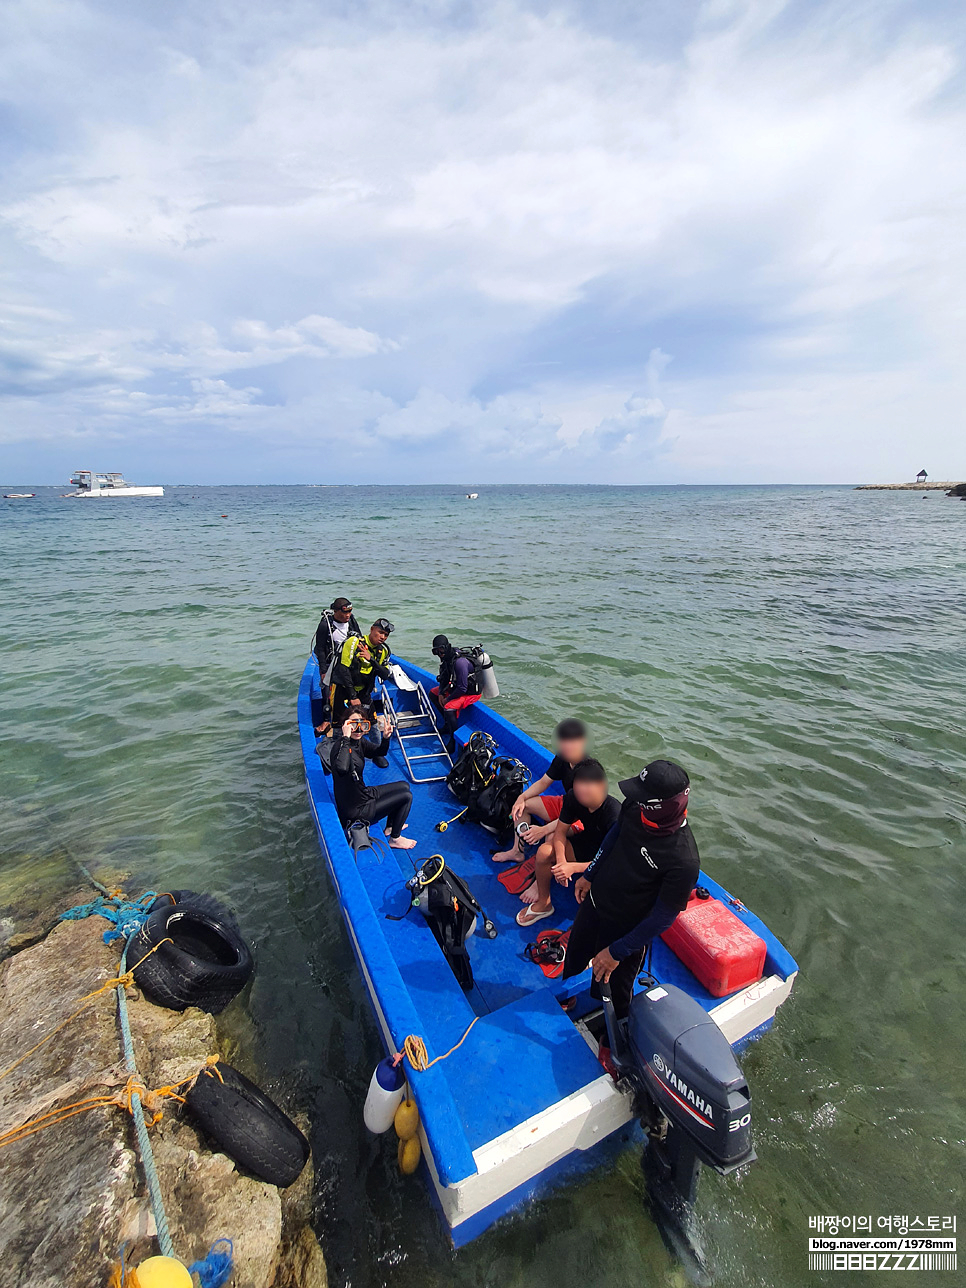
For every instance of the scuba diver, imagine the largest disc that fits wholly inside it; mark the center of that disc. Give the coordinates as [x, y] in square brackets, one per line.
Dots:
[638, 882]
[355, 801]
[361, 661]
[456, 686]
[532, 804]
[336, 624]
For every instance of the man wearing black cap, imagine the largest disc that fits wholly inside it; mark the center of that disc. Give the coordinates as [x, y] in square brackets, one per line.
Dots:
[362, 660]
[336, 624]
[638, 882]
[455, 686]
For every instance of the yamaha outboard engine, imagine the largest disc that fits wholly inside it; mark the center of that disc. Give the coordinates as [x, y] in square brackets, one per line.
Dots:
[693, 1101]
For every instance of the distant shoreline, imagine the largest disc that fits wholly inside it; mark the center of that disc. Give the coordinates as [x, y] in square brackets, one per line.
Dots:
[906, 487]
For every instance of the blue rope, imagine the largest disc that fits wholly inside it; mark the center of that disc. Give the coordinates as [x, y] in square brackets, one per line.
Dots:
[127, 916]
[144, 1143]
[215, 1269]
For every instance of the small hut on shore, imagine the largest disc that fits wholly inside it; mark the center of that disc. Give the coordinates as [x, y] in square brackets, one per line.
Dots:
[921, 476]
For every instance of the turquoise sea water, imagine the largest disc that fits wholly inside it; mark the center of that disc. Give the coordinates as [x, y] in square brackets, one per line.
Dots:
[799, 650]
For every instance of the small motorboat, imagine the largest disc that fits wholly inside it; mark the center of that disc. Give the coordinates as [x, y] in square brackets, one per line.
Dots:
[516, 1100]
[89, 483]
[17, 496]
[472, 496]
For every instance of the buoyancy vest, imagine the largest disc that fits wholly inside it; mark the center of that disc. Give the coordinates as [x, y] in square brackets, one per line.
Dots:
[361, 668]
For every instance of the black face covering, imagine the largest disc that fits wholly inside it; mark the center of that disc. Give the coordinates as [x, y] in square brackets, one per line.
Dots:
[667, 816]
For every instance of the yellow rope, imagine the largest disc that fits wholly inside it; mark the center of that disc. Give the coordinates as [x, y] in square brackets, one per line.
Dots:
[415, 1049]
[119, 981]
[152, 1102]
[123, 1277]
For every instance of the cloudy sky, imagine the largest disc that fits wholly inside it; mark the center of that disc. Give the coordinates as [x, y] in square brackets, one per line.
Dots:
[620, 241]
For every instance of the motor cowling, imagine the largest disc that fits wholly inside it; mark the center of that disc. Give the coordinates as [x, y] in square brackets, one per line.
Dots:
[685, 1065]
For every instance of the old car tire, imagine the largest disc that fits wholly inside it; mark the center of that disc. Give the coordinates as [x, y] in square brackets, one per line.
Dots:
[205, 963]
[247, 1126]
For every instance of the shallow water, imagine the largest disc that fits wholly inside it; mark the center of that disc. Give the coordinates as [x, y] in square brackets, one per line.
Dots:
[800, 650]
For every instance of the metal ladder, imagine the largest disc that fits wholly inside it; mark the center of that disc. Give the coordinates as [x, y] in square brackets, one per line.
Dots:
[411, 726]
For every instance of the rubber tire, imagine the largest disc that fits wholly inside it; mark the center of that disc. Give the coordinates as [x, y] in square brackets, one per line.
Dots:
[247, 1126]
[192, 899]
[186, 972]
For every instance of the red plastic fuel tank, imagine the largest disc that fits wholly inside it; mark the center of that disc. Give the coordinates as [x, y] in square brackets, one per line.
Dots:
[718, 949]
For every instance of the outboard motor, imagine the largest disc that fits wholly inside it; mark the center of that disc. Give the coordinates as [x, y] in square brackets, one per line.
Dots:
[693, 1101]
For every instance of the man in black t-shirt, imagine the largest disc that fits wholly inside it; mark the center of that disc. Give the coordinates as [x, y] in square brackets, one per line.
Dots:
[541, 811]
[638, 882]
[586, 816]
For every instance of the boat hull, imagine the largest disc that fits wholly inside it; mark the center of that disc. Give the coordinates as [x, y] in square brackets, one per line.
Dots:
[117, 492]
[477, 1173]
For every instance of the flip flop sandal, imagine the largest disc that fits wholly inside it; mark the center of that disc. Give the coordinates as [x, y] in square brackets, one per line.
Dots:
[526, 917]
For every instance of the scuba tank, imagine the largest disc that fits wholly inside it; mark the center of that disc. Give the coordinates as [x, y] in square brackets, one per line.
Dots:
[486, 677]
[386, 1089]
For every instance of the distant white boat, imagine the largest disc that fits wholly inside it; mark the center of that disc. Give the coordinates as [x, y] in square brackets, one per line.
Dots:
[92, 484]
[17, 496]
[472, 496]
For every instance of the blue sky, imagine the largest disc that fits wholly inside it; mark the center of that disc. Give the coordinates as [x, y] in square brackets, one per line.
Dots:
[649, 242]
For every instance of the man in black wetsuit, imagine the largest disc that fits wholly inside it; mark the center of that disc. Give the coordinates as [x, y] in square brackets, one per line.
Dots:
[354, 798]
[335, 626]
[637, 884]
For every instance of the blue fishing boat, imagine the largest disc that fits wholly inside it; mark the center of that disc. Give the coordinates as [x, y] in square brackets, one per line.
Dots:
[522, 1102]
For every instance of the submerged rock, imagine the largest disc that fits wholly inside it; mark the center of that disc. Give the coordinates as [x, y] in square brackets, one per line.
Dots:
[71, 1194]
[34, 890]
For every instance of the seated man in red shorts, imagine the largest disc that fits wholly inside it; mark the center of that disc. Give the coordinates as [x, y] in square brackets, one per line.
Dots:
[540, 811]
[587, 816]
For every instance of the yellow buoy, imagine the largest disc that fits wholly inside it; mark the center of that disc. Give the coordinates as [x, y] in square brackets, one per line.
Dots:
[406, 1120]
[163, 1272]
[408, 1155]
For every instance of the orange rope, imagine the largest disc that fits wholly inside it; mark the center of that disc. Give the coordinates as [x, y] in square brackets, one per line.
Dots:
[417, 1055]
[151, 1100]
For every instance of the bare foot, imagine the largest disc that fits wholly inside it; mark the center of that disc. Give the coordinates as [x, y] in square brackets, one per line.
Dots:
[531, 894]
[513, 855]
[401, 843]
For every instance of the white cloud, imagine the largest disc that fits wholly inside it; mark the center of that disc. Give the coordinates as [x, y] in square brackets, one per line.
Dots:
[406, 220]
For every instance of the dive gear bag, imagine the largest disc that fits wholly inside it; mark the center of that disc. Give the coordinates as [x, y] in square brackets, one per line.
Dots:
[493, 805]
[452, 911]
[471, 770]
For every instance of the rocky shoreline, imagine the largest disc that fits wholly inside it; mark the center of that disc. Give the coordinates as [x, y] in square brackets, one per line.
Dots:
[71, 1194]
[907, 487]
